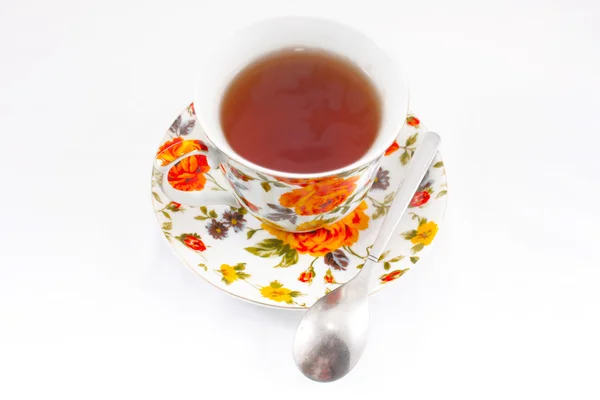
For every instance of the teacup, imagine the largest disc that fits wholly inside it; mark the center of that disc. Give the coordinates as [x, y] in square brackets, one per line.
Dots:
[292, 202]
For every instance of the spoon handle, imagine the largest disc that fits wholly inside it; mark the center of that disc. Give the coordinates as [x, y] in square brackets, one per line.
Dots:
[421, 160]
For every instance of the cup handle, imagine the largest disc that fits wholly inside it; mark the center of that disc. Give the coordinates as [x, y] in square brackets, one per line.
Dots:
[205, 197]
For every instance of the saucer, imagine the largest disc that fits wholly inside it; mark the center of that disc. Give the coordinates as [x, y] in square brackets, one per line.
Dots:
[252, 261]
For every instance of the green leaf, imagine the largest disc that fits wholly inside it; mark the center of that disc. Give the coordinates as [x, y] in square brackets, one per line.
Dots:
[242, 210]
[243, 275]
[267, 248]
[351, 198]
[240, 267]
[405, 158]
[387, 266]
[384, 255]
[442, 193]
[345, 209]
[414, 259]
[389, 198]
[213, 214]
[279, 184]
[417, 247]
[276, 285]
[411, 140]
[251, 233]
[410, 234]
[422, 221]
[438, 164]
[295, 293]
[166, 214]
[359, 266]
[327, 290]
[157, 197]
[334, 211]
[201, 218]
[379, 212]
[203, 210]
[167, 226]
[266, 186]
[261, 176]
[396, 259]
[290, 257]
[203, 266]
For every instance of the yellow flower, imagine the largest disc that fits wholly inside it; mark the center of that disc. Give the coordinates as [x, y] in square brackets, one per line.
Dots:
[425, 233]
[275, 291]
[229, 274]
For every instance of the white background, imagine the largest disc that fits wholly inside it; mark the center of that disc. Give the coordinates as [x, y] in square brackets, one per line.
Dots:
[93, 303]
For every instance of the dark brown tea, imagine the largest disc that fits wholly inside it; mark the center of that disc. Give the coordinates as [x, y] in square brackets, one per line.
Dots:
[301, 111]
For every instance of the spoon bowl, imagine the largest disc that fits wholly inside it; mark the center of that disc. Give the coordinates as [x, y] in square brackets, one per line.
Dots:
[328, 346]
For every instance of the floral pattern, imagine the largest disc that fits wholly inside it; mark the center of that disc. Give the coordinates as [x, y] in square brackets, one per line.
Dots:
[423, 235]
[392, 276]
[192, 241]
[231, 274]
[188, 174]
[308, 275]
[173, 149]
[254, 258]
[327, 239]
[382, 180]
[393, 147]
[276, 292]
[320, 197]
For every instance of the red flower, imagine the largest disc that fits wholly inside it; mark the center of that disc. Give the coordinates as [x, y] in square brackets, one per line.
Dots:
[392, 275]
[395, 146]
[413, 121]
[307, 276]
[328, 278]
[420, 198]
[192, 240]
[174, 206]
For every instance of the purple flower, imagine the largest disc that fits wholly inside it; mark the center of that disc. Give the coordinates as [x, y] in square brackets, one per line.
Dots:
[382, 180]
[217, 229]
[234, 220]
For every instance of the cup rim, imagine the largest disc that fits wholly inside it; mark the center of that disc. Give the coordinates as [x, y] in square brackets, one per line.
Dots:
[370, 156]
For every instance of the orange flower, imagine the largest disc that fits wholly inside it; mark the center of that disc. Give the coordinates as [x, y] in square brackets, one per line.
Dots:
[326, 239]
[412, 121]
[395, 146]
[177, 147]
[188, 174]
[319, 197]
